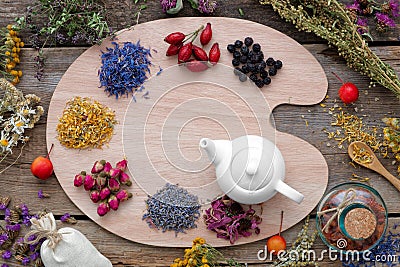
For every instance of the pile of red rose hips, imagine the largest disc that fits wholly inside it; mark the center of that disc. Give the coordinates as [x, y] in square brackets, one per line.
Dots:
[182, 45]
[104, 185]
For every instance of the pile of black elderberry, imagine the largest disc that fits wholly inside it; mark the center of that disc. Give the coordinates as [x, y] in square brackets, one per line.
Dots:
[248, 59]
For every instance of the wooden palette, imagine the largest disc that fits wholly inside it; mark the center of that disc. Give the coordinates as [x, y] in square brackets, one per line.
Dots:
[160, 136]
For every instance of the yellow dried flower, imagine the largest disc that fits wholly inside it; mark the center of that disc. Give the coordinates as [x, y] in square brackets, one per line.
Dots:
[85, 123]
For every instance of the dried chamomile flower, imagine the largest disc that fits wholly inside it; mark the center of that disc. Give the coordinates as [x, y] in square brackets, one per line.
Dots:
[17, 113]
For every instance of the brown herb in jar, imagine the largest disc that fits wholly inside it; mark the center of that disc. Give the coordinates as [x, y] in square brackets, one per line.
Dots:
[360, 223]
[335, 233]
[85, 123]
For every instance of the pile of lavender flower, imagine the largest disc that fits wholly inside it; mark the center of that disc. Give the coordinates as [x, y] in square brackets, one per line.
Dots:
[174, 6]
[172, 209]
[383, 13]
[124, 69]
[230, 220]
[10, 246]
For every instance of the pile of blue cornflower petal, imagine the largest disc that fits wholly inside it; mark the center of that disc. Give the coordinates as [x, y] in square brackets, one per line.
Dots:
[124, 69]
[386, 253]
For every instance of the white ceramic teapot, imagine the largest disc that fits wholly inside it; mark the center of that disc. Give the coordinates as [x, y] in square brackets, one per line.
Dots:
[250, 169]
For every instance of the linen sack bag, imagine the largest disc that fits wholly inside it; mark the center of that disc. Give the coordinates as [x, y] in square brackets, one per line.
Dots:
[66, 247]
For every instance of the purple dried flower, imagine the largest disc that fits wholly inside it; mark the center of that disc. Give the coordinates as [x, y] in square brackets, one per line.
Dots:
[98, 166]
[65, 217]
[6, 254]
[123, 195]
[103, 208]
[230, 221]
[13, 227]
[354, 7]
[113, 202]
[167, 4]
[125, 179]
[34, 256]
[89, 182]
[31, 237]
[104, 193]
[25, 261]
[24, 210]
[79, 178]
[94, 196]
[115, 173]
[107, 167]
[7, 214]
[113, 184]
[384, 20]
[2, 206]
[42, 195]
[394, 7]
[5, 265]
[3, 238]
[32, 248]
[362, 25]
[122, 165]
[207, 6]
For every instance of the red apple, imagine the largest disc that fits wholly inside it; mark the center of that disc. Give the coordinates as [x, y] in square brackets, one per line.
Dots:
[42, 167]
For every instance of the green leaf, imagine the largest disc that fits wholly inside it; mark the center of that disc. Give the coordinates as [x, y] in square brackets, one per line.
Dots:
[194, 3]
[241, 12]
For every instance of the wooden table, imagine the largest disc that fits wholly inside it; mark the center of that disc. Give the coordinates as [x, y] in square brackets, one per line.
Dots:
[373, 104]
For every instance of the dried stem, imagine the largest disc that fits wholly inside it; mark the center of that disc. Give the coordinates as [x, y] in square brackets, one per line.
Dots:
[331, 21]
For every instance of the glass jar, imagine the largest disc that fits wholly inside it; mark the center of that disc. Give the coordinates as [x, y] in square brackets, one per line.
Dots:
[352, 216]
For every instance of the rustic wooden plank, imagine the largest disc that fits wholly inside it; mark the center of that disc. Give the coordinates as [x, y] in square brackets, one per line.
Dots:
[122, 252]
[121, 14]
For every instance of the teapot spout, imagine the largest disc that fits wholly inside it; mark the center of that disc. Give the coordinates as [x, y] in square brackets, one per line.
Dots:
[214, 149]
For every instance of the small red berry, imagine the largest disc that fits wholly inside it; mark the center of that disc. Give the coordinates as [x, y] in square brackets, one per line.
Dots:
[185, 53]
[175, 38]
[206, 34]
[173, 49]
[199, 53]
[214, 54]
[348, 92]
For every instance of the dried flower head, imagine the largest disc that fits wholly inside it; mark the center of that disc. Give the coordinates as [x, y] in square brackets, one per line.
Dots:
[207, 6]
[85, 123]
[17, 114]
[330, 20]
[10, 53]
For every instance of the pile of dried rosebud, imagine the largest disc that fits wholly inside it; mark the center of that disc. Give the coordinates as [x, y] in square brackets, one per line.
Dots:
[104, 184]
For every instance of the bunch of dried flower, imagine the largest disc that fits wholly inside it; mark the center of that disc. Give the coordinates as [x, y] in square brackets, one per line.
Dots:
[331, 20]
[17, 113]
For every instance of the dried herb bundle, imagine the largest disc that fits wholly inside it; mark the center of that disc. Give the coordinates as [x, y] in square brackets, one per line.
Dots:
[331, 21]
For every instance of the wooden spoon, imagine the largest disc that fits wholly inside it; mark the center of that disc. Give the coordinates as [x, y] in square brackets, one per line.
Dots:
[375, 165]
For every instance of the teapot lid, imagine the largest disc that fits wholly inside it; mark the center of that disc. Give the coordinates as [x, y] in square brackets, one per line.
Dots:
[252, 165]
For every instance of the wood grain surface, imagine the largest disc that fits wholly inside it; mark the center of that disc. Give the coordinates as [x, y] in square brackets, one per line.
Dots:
[160, 136]
[373, 104]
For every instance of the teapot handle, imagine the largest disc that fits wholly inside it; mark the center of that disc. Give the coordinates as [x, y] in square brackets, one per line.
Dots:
[289, 192]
